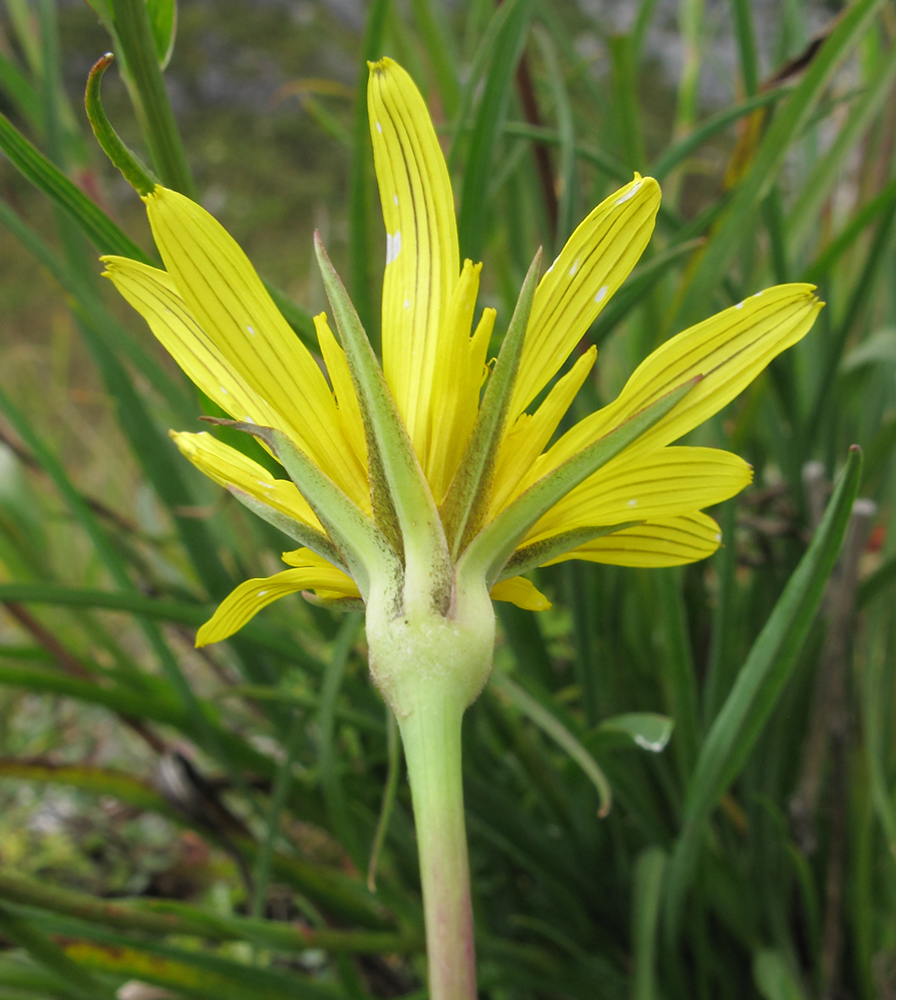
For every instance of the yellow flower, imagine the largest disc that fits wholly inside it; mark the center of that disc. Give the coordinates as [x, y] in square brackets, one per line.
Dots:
[642, 507]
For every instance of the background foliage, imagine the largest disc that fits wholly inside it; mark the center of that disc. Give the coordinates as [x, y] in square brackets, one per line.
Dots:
[203, 821]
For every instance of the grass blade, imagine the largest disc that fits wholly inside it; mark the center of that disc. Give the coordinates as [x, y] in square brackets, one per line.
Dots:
[738, 725]
[785, 128]
[52, 957]
[180, 613]
[489, 126]
[159, 916]
[646, 895]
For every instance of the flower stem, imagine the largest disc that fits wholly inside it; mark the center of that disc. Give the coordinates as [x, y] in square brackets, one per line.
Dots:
[431, 743]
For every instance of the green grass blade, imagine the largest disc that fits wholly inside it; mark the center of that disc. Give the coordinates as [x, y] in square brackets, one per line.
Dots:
[821, 182]
[838, 337]
[718, 677]
[785, 127]
[27, 981]
[601, 159]
[195, 974]
[106, 236]
[18, 88]
[131, 19]
[527, 643]
[488, 127]
[648, 879]
[440, 47]
[180, 613]
[154, 451]
[742, 12]
[263, 868]
[77, 978]
[773, 217]
[164, 917]
[388, 799]
[155, 708]
[564, 739]
[755, 693]
[97, 780]
[678, 674]
[97, 226]
[679, 151]
[332, 788]
[567, 218]
[625, 101]
[115, 565]
[867, 214]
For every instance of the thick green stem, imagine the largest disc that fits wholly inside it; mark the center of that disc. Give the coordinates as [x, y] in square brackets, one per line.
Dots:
[430, 667]
[431, 743]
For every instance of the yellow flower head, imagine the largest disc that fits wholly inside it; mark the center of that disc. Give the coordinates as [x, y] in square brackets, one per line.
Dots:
[640, 506]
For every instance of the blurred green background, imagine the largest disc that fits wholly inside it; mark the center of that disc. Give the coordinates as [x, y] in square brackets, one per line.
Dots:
[202, 822]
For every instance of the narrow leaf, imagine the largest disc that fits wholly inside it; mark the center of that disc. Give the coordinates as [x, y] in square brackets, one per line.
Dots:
[559, 734]
[731, 232]
[50, 955]
[163, 16]
[488, 125]
[93, 222]
[181, 613]
[769, 664]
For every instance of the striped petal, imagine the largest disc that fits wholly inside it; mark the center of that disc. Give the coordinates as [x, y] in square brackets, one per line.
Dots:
[229, 467]
[665, 542]
[422, 264]
[597, 258]
[461, 364]
[311, 572]
[227, 299]
[729, 351]
[658, 484]
[152, 293]
[521, 592]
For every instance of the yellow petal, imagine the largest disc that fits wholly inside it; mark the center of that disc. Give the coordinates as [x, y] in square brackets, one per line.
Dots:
[229, 467]
[666, 542]
[153, 294]
[422, 263]
[528, 436]
[253, 595]
[521, 592]
[597, 258]
[659, 484]
[334, 582]
[729, 350]
[227, 299]
[460, 364]
[342, 383]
